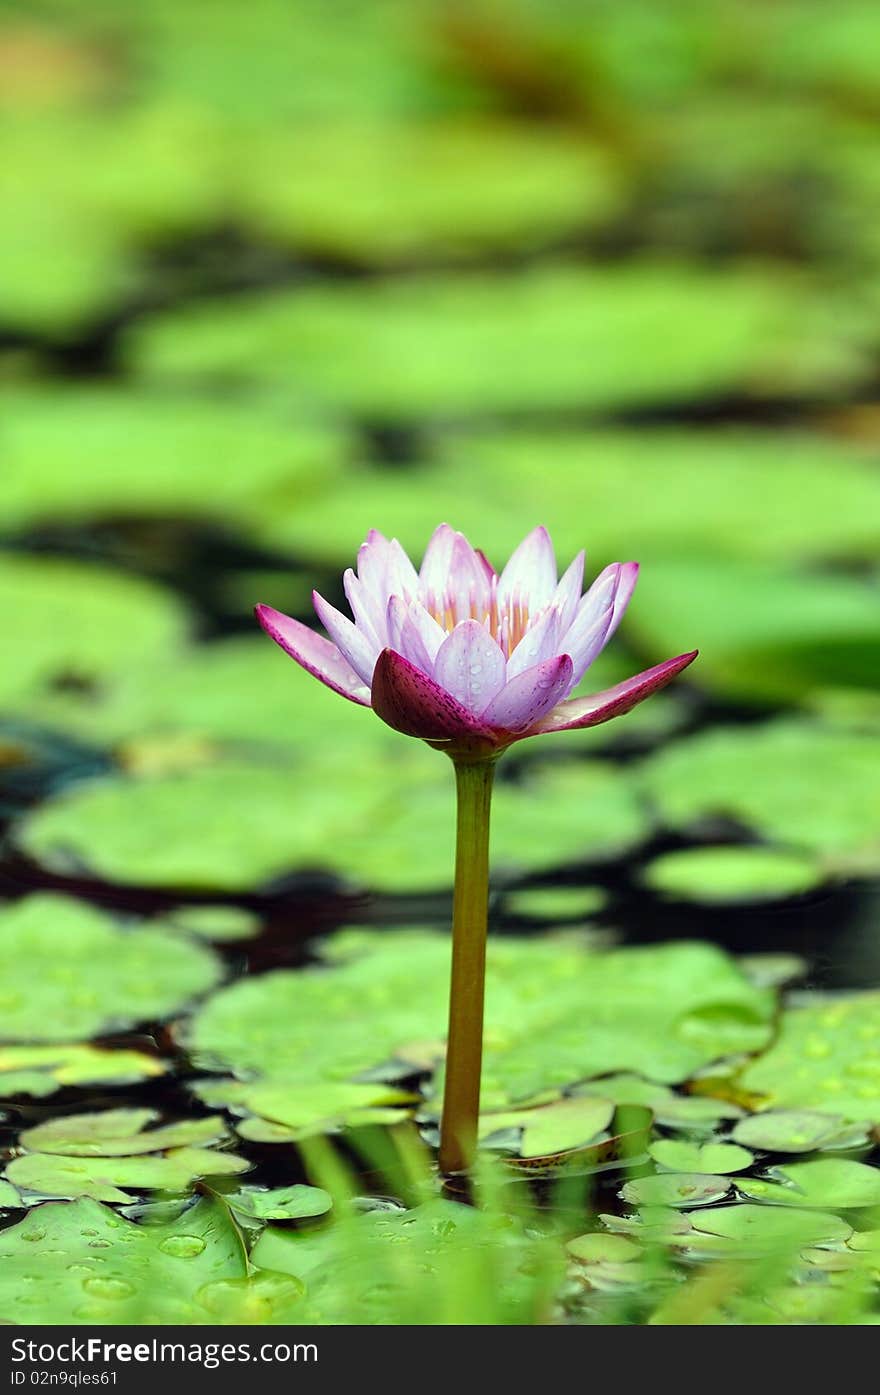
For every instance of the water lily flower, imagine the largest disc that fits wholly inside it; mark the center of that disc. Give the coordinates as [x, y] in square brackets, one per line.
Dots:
[470, 661]
[463, 657]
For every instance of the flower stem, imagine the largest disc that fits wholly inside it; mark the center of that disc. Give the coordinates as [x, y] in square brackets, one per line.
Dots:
[464, 1049]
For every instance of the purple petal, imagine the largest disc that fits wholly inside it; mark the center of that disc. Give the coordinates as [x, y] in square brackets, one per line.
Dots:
[467, 582]
[531, 572]
[613, 702]
[434, 574]
[411, 702]
[628, 576]
[401, 579]
[529, 695]
[470, 666]
[352, 644]
[568, 592]
[314, 653]
[539, 642]
[414, 633]
[372, 566]
[368, 615]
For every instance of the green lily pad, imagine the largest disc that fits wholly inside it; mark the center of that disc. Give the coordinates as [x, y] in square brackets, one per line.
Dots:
[379, 823]
[766, 778]
[837, 1182]
[74, 1175]
[281, 1111]
[63, 621]
[765, 633]
[681, 1156]
[798, 1131]
[9, 1197]
[551, 1128]
[279, 1203]
[41, 1070]
[556, 1012]
[593, 335]
[118, 1133]
[675, 1189]
[555, 903]
[768, 1228]
[598, 1248]
[727, 874]
[78, 1262]
[92, 976]
[63, 447]
[824, 1058]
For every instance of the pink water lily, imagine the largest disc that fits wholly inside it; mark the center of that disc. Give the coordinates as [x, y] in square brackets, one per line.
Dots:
[466, 658]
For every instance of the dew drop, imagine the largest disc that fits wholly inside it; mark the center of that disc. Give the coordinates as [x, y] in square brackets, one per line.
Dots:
[182, 1246]
[36, 1234]
[108, 1288]
[99, 1244]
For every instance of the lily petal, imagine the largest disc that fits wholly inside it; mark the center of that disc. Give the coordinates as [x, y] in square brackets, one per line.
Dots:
[539, 642]
[352, 644]
[470, 666]
[568, 592]
[411, 702]
[531, 694]
[628, 576]
[314, 653]
[591, 711]
[531, 571]
[434, 573]
[367, 614]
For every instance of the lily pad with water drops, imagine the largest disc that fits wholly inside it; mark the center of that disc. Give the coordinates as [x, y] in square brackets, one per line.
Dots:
[728, 874]
[63, 623]
[94, 976]
[81, 1263]
[384, 825]
[841, 1183]
[766, 778]
[825, 1057]
[41, 1070]
[663, 1010]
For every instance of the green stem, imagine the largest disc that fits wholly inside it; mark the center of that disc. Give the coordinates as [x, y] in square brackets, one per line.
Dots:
[464, 1049]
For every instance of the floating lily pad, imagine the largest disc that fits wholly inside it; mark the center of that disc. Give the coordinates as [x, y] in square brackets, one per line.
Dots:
[599, 1248]
[551, 1128]
[63, 621]
[556, 1012]
[71, 971]
[555, 903]
[380, 823]
[798, 1131]
[766, 777]
[41, 1070]
[591, 334]
[118, 1133]
[726, 874]
[837, 1182]
[757, 1228]
[79, 1262]
[62, 449]
[9, 1197]
[675, 1189]
[289, 1110]
[280, 1203]
[691, 1112]
[55, 1174]
[764, 632]
[681, 1156]
[824, 1058]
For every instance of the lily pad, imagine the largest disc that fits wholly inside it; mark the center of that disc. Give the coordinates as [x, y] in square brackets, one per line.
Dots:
[41, 1070]
[379, 823]
[118, 1133]
[279, 1203]
[675, 1189]
[64, 622]
[289, 1110]
[551, 1128]
[555, 903]
[765, 777]
[92, 975]
[681, 1156]
[837, 1182]
[757, 1228]
[9, 1197]
[217, 923]
[726, 874]
[824, 1058]
[556, 1012]
[54, 1174]
[598, 1248]
[81, 1263]
[692, 1112]
[798, 1131]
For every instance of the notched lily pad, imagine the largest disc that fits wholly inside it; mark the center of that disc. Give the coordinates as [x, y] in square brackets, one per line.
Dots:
[680, 1189]
[297, 1202]
[695, 1113]
[715, 1158]
[798, 1131]
[550, 1128]
[836, 1182]
[92, 975]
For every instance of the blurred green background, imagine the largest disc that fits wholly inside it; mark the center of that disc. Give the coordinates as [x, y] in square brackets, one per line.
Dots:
[275, 273]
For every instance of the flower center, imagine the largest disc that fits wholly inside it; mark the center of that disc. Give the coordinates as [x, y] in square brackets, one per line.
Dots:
[507, 624]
